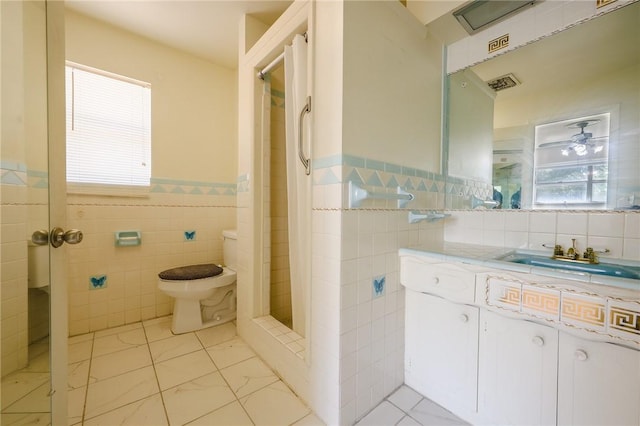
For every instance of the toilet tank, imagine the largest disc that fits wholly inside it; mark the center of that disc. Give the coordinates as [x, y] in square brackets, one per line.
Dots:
[229, 248]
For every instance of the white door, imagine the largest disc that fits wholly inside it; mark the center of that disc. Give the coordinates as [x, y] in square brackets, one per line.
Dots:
[598, 383]
[441, 360]
[517, 371]
[32, 161]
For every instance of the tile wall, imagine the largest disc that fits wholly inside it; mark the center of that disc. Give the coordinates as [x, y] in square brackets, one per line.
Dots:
[166, 219]
[13, 272]
[616, 231]
[24, 311]
[280, 290]
[356, 250]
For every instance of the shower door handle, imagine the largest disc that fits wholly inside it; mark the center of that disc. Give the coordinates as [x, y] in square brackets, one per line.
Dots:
[306, 162]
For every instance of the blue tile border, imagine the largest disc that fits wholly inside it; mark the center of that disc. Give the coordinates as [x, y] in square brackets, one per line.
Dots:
[181, 186]
[17, 174]
[388, 176]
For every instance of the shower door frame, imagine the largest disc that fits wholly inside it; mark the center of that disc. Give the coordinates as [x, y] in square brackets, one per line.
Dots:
[253, 293]
[261, 169]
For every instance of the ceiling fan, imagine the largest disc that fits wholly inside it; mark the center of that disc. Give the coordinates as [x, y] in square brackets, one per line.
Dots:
[579, 142]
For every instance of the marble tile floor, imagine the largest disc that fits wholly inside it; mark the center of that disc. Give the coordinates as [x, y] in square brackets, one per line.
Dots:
[406, 407]
[142, 374]
[24, 392]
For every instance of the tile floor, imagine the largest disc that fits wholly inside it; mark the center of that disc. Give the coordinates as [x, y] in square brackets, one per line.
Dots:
[142, 374]
[406, 407]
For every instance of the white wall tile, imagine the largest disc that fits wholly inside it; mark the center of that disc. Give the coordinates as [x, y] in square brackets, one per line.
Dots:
[543, 222]
[493, 237]
[572, 223]
[615, 245]
[516, 221]
[348, 319]
[537, 239]
[631, 249]
[632, 225]
[516, 239]
[606, 224]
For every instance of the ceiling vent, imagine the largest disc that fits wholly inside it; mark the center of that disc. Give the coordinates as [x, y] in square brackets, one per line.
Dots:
[480, 14]
[504, 82]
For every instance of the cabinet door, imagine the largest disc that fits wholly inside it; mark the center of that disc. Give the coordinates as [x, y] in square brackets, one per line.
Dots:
[598, 383]
[517, 371]
[441, 351]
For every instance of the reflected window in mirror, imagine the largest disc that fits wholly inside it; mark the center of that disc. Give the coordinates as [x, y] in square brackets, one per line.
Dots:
[579, 71]
[571, 163]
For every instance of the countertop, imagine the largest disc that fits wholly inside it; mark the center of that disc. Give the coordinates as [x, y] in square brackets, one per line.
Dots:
[488, 256]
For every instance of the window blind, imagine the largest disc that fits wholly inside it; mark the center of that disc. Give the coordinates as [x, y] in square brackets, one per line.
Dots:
[108, 130]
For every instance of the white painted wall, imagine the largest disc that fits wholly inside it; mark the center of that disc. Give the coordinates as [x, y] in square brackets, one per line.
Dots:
[392, 78]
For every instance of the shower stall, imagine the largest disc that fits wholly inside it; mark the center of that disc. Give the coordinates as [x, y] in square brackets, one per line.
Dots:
[287, 185]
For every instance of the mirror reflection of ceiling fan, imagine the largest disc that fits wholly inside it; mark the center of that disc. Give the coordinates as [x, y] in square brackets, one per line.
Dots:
[581, 143]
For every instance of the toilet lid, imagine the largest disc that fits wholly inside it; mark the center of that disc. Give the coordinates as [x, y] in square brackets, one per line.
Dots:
[191, 272]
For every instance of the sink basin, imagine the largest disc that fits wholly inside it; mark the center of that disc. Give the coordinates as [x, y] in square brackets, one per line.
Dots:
[602, 268]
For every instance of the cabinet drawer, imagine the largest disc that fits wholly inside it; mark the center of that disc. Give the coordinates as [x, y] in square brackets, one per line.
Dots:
[453, 281]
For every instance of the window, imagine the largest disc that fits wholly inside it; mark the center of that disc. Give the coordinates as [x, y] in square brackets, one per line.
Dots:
[571, 162]
[108, 132]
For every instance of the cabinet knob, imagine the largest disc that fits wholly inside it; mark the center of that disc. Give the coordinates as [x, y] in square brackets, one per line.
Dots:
[580, 355]
[464, 317]
[538, 341]
[436, 280]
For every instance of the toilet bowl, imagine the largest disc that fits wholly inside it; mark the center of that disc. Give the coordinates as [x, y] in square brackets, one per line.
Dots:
[205, 295]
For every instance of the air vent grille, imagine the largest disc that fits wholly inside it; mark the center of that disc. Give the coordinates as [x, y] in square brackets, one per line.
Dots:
[504, 82]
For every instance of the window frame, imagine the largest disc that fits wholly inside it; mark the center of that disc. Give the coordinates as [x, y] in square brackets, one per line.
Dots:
[105, 188]
[573, 161]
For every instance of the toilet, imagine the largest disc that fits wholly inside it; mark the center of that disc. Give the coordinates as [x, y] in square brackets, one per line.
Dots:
[205, 295]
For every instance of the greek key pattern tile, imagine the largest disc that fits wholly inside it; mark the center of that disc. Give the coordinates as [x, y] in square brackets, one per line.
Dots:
[504, 294]
[541, 302]
[584, 310]
[625, 319]
[606, 316]
[498, 43]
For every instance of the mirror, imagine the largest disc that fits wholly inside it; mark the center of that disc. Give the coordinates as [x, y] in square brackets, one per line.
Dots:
[25, 296]
[575, 92]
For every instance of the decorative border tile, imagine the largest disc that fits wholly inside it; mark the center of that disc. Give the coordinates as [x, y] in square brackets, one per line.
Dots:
[12, 173]
[18, 174]
[429, 188]
[242, 183]
[580, 310]
[504, 294]
[541, 302]
[175, 186]
[624, 318]
[593, 313]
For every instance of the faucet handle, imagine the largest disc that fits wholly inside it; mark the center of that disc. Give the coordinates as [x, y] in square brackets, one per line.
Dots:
[591, 255]
[557, 249]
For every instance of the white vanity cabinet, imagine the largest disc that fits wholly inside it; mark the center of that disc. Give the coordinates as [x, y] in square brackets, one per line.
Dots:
[598, 383]
[517, 371]
[442, 351]
[503, 347]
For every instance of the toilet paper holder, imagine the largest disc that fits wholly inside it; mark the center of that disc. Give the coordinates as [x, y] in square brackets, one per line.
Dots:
[128, 238]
